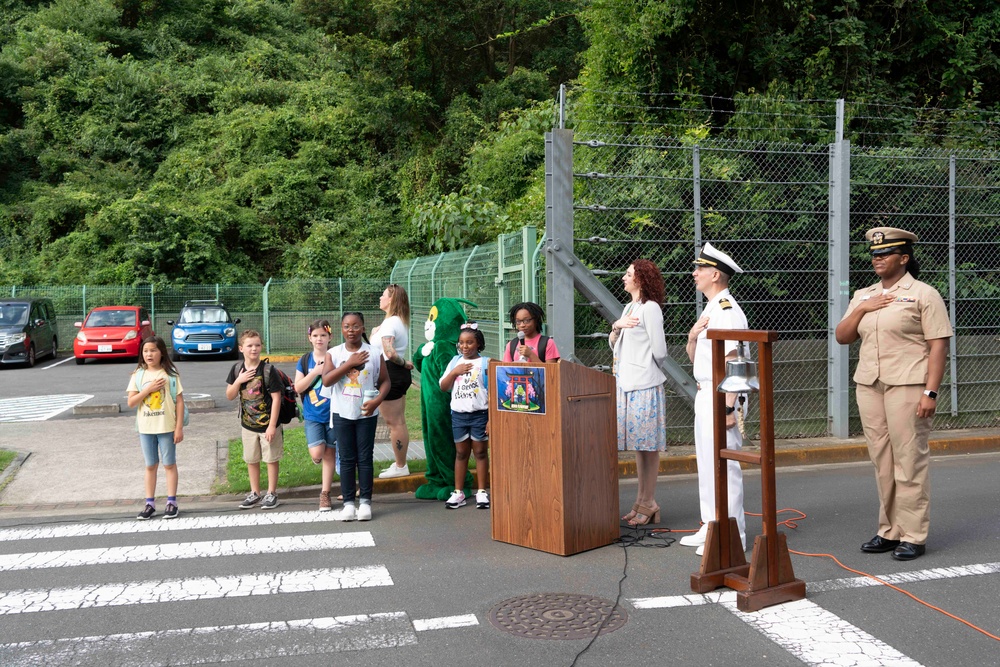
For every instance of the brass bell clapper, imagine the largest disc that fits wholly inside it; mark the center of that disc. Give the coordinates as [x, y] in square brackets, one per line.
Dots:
[768, 579]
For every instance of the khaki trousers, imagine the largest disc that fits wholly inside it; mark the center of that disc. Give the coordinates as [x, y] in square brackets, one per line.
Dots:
[897, 445]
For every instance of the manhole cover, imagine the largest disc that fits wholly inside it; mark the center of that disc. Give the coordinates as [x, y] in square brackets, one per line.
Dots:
[557, 616]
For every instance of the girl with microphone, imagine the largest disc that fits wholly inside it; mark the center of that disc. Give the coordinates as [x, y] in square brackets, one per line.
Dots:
[530, 345]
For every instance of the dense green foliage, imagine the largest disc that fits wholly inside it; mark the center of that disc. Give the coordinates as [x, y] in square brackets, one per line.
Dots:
[232, 140]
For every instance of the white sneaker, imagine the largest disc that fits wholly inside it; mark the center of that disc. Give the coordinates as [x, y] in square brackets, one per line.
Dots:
[456, 500]
[482, 499]
[394, 471]
[696, 539]
[348, 513]
[364, 512]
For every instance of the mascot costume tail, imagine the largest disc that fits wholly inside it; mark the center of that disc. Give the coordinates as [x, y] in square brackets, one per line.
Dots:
[441, 329]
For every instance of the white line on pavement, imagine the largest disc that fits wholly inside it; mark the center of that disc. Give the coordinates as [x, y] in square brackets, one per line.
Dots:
[38, 408]
[817, 637]
[57, 363]
[445, 622]
[227, 643]
[156, 552]
[234, 520]
[197, 588]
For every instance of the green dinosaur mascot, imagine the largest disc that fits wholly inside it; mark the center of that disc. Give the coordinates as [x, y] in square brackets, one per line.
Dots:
[441, 329]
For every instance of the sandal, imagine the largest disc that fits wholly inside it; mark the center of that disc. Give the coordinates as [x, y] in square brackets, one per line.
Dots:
[631, 515]
[648, 514]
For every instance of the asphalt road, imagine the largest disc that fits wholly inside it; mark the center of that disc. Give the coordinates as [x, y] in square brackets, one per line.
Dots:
[427, 563]
[106, 380]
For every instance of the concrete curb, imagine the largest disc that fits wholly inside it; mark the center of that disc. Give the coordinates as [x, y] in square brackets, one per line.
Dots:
[11, 470]
[789, 455]
[92, 410]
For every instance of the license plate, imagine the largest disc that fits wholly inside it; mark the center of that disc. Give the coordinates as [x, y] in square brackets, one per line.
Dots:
[103, 348]
[204, 347]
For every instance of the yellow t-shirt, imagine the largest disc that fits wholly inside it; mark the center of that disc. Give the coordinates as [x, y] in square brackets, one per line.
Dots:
[157, 413]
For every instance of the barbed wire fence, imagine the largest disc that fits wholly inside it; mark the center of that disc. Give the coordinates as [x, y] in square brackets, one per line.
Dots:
[780, 186]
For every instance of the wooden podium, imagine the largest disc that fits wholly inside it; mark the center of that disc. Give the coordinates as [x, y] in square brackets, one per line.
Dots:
[554, 469]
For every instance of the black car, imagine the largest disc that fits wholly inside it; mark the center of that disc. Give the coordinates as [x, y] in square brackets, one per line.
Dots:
[27, 331]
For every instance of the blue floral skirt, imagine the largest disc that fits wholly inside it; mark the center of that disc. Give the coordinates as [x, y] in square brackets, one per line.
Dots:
[642, 420]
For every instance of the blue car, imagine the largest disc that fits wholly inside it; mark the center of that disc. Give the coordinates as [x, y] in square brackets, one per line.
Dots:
[204, 328]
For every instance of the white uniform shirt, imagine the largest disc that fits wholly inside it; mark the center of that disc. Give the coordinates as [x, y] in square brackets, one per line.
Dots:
[723, 313]
[470, 392]
[347, 394]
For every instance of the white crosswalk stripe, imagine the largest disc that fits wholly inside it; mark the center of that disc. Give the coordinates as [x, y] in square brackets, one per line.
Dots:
[197, 644]
[38, 408]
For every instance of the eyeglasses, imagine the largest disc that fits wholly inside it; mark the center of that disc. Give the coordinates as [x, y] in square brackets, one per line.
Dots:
[528, 320]
[353, 327]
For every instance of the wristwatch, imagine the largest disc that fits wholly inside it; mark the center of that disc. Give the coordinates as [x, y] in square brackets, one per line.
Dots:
[730, 409]
[930, 393]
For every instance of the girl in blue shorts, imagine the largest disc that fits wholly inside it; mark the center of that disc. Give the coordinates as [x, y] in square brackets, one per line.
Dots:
[155, 391]
[320, 439]
[466, 379]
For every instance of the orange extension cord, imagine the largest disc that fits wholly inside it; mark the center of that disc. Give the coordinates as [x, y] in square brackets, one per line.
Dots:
[791, 523]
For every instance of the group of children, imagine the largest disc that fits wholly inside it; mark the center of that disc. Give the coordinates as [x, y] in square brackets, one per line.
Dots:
[341, 389]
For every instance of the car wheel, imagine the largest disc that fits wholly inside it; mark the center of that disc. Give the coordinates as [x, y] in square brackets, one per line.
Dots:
[79, 361]
[174, 355]
[55, 349]
[235, 354]
[30, 361]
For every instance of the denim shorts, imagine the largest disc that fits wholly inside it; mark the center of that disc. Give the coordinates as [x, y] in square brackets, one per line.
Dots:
[319, 433]
[158, 448]
[466, 424]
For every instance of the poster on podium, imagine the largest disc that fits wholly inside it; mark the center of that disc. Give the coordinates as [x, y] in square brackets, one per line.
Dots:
[520, 389]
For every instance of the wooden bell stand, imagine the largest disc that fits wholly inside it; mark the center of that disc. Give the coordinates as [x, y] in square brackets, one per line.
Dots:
[769, 578]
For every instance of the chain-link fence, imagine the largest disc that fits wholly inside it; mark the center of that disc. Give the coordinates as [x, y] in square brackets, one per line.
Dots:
[280, 310]
[781, 211]
[493, 276]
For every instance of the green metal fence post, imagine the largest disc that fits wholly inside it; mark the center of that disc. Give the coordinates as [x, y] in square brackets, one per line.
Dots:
[84, 301]
[340, 298]
[433, 270]
[534, 269]
[409, 293]
[465, 272]
[152, 304]
[267, 319]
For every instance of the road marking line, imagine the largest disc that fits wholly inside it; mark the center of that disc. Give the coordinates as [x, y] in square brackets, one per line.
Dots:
[197, 588]
[818, 637]
[156, 552]
[182, 522]
[58, 362]
[445, 622]
[38, 408]
[227, 643]
[916, 576]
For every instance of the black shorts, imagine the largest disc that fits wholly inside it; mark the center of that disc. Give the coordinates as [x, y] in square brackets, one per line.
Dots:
[400, 379]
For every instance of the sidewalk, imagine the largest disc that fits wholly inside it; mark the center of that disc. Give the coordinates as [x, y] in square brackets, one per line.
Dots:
[89, 463]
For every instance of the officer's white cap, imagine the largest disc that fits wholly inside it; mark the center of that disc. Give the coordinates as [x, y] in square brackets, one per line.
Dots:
[717, 259]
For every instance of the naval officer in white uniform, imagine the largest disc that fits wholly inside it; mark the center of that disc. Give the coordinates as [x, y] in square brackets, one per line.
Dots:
[712, 272]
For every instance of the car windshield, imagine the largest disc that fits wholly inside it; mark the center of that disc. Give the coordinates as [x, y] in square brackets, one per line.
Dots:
[204, 316]
[13, 314]
[111, 318]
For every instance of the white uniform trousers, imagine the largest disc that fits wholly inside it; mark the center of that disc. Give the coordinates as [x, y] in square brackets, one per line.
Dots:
[704, 446]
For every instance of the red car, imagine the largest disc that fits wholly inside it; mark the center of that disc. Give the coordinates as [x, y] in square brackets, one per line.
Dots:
[111, 332]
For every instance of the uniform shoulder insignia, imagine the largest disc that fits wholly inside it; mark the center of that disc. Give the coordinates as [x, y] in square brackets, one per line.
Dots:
[724, 304]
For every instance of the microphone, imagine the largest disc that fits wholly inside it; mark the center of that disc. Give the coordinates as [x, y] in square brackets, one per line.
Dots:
[520, 341]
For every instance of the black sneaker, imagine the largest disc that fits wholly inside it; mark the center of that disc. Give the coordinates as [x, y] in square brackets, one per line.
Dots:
[251, 500]
[270, 501]
[170, 512]
[146, 513]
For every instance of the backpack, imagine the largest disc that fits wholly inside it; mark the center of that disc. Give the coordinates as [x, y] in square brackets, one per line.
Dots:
[303, 366]
[289, 407]
[543, 343]
[173, 394]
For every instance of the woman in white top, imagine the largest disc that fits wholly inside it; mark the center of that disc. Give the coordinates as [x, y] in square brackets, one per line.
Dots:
[390, 339]
[639, 348]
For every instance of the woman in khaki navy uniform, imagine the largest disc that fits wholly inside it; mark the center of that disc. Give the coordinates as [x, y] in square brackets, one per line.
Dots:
[904, 330]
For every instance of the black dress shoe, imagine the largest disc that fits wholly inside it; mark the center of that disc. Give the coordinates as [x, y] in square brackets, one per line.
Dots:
[879, 545]
[908, 551]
